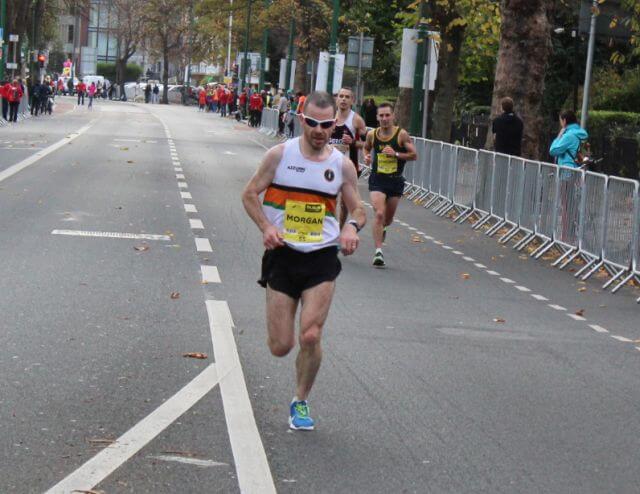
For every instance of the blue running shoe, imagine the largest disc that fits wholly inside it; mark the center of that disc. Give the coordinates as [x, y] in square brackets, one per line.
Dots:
[299, 416]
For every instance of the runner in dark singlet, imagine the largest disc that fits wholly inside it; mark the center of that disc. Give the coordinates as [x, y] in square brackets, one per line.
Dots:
[347, 135]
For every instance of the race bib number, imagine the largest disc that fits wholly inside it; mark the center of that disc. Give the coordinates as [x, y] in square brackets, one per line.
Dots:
[303, 221]
[387, 164]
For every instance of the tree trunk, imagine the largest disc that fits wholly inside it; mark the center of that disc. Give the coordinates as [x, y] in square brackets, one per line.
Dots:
[403, 107]
[447, 83]
[165, 76]
[120, 74]
[525, 45]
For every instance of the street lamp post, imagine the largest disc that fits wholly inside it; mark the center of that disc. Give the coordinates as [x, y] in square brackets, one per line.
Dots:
[246, 48]
[584, 115]
[333, 48]
[3, 29]
[263, 55]
[417, 99]
[292, 29]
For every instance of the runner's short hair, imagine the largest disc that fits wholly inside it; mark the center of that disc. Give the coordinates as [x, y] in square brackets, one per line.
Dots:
[346, 88]
[321, 99]
[386, 104]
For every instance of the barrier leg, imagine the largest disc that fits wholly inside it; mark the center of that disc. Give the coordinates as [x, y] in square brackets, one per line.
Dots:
[585, 267]
[623, 282]
[562, 257]
[481, 221]
[494, 229]
[509, 235]
[543, 249]
[570, 259]
[524, 241]
[614, 279]
[592, 270]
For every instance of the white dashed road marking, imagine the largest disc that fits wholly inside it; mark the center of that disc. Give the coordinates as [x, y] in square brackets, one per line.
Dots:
[183, 185]
[557, 307]
[577, 317]
[597, 328]
[508, 281]
[493, 273]
[196, 224]
[540, 297]
[186, 195]
[522, 288]
[133, 236]
[622, 339]
[203, 245]
[190, 208]
[210, 274]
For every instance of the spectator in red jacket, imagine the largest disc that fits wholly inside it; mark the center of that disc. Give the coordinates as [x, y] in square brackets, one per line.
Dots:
[243, 103]
[14, 97]
[4, 95]
[223, 102]
[255, 108]
[82, 89]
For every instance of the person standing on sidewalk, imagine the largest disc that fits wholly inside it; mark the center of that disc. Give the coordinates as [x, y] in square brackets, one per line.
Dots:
[155, 95]
[300, 180]
[92, 94]
[5, 86]
[35, 99]
[256, 104]
[507, 130]
[387, 149]
[81, 88]
[15, 95]
[283, 109]
[566, 146]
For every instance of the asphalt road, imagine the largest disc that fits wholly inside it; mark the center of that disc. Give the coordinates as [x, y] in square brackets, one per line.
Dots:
[462, 367]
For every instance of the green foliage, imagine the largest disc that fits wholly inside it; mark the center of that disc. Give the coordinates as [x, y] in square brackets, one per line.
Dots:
[614, 123]
[108, 70]
[613, 90]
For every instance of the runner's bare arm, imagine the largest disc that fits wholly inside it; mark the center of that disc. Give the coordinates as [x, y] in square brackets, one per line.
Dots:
[368, 146]
[260, 181]
[405, 140]
[349, 239]
[361, 130]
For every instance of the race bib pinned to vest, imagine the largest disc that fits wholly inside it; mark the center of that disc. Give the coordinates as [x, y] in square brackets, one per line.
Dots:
[303, 221]
[387, 165]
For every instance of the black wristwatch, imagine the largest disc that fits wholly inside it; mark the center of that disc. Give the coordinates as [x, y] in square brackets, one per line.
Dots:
[354, 223]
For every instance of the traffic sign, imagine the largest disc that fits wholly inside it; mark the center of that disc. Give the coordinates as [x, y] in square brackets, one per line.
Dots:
[12, 65]
[14, 38]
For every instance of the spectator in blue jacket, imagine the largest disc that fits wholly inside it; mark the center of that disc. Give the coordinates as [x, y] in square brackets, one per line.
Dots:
[565, 147]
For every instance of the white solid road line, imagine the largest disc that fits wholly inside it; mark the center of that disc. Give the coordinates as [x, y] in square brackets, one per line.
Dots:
[210, 274]
[12, 170]
[252, 467]
[196, 224]
[135, 236]
[203, 245]
[110, 458]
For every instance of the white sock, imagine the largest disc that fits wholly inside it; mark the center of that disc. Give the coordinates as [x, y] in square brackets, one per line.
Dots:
[378, 251]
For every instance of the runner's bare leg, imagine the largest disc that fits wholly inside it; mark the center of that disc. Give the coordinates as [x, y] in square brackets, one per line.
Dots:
[316, 302]
[378, 201]
[281, 313]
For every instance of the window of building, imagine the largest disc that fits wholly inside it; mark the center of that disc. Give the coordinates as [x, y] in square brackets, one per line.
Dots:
[70, 34]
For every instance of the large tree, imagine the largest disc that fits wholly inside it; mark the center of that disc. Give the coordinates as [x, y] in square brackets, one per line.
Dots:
[525, 45]
[129, 19]
[167, 24]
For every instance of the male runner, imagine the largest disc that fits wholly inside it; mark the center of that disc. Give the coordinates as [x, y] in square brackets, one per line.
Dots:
[391, 147]
[301, 179]
[347, 135]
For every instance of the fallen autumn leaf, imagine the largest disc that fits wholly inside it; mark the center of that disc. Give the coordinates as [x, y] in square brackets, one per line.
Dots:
[175, 295]
[197, 355]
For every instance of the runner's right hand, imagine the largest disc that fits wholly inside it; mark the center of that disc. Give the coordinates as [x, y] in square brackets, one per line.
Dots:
[272, 238]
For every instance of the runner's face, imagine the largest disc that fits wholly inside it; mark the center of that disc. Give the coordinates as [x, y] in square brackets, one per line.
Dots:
[316, 136]
[345, 99]
[385, 117]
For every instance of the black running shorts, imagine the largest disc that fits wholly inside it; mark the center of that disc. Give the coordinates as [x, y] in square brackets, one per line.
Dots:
[390, 186]
[291, 272]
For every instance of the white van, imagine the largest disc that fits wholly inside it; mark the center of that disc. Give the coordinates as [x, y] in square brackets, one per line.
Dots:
[88, 79]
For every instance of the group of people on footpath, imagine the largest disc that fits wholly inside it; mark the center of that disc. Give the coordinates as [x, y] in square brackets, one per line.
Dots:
[566, 149]
[152, 94]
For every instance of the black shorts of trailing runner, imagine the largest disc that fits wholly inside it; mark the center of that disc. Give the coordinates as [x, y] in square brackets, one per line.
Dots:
[291, 272]
[391, 186]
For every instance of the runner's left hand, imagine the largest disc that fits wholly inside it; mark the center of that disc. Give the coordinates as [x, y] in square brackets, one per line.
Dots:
[346, 139]
[389, 151]
[349, 240]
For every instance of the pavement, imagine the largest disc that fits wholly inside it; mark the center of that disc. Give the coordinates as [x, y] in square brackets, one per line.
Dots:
[464, 366]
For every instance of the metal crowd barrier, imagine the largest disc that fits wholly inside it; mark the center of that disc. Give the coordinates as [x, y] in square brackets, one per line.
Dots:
[585, 216]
